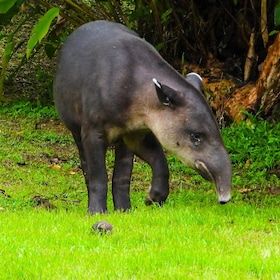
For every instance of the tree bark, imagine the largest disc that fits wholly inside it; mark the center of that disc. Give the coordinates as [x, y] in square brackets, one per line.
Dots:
[264, 94]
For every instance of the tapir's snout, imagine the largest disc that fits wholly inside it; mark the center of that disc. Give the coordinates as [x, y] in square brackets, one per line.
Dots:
[219, 174]
[224, 200]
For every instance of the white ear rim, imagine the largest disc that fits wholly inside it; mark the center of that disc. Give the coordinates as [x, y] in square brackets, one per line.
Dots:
[197, 75]
[156, 83]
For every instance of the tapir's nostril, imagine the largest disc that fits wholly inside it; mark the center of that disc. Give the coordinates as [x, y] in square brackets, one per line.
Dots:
[223, 202]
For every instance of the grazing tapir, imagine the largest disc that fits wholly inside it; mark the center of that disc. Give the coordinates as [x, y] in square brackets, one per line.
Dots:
[112, 87]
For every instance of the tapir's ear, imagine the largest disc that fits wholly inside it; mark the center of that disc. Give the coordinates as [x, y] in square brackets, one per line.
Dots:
[167, 96]
[195, 80]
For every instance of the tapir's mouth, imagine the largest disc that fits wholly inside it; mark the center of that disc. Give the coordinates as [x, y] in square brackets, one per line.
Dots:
[205, 173]
[203, 170]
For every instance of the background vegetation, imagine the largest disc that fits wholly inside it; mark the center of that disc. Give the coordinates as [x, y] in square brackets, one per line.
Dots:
[185, 32]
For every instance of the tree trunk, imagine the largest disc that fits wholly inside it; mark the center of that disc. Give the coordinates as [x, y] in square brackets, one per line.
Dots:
[265, 94]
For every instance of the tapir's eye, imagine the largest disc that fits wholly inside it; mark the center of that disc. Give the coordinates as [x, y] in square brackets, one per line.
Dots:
[196, 139]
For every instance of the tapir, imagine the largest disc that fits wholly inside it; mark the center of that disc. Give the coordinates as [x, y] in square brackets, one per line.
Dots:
[112, 88]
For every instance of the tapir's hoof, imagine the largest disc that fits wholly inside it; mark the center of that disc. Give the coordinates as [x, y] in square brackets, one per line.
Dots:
[97, 210]
[149, 201]
[122, 209]
[102, 227]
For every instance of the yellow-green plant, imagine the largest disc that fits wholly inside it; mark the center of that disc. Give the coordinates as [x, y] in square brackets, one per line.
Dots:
[8, 9]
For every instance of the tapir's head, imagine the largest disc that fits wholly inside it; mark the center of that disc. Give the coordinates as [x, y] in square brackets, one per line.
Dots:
[185, 125]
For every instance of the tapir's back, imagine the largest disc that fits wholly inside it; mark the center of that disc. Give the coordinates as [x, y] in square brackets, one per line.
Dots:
[97, 36]
[99, 63]
[87, 63]
[99, 55]
[98, 45]
[91, 47]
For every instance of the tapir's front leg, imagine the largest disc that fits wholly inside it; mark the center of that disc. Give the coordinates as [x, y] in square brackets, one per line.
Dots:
[148, 148]
[121, 176]
[94, 147]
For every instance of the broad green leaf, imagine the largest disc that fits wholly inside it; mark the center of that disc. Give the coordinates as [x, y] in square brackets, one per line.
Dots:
[5, 19]
[41, 29]
[6, 5]
[273, 32]
[9, 48]
[7, 54]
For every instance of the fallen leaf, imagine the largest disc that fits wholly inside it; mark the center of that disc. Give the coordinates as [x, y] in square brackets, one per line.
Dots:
[71, 172]
[245, 190]
[56, 166]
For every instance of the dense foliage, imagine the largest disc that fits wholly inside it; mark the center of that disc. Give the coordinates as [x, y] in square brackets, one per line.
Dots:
[186, 30]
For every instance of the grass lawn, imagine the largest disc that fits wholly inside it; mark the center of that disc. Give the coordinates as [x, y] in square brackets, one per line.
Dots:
[46, 232]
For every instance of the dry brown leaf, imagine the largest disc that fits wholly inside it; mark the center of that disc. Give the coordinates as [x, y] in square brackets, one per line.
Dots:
[71, 173]
[56, 166]
[244, 190]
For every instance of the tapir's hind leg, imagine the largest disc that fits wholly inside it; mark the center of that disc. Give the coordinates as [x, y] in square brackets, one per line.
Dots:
[94, 152]
[121, 176]
[149, 149]
[78, 141]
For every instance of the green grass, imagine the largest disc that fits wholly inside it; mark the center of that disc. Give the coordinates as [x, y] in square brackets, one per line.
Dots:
[46, 232]
[178, 241]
